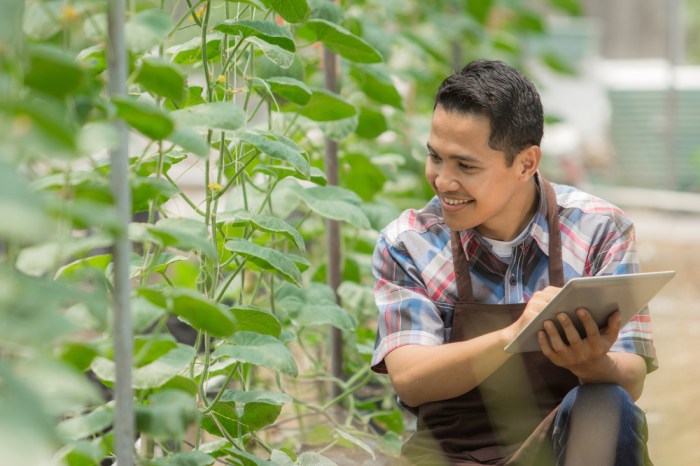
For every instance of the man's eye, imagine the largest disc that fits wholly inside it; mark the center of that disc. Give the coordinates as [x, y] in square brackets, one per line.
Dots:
[434, 157]
[466, 167]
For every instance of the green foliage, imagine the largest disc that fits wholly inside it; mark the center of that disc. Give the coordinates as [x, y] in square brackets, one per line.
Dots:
[226, 109]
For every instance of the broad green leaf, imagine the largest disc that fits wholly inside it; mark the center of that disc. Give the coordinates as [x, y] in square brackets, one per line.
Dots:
[95, 137]
[293, 11]
[147, 118]
[325, 105]
[376, 83]
[253, 396]
[340, 40]
[248, 459]
[167, 415]
[40, 259]
[146, 190]
[69, 390]
[267, 31]
[189, 458]
[323, 9]
[53, 71]
[571, 7]
[557, 63]
[147, 29]
[314, 305]
[258, 415]
[288, 88]
[190, 140]
[311, 458]
[145, 313]
[479, 10]
[260, 350]
[182, 383]
[353, 167]
[200, 313]
[254, 319]
[281, 150]
[335, 203]
[83, 453]
[21, 209]
[266, 68]
[262, 222]
[94, 59]
[371, 123]
[149, 164]
[281, 57]
[339, 129]
[87, 425]
[152, 375]
[190, 52]
[41, 20]
[266, 258]
[215, 115]
[354, 441]
[529, 21]
[163, 78]
[184, 234]
[41, 128]
[98, 262]
[148, 348]
[279, 172]
[78, 355]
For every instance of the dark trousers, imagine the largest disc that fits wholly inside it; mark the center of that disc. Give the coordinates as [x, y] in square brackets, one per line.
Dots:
[599, 424]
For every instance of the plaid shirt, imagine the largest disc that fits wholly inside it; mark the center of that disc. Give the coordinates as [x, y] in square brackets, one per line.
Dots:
[415, 288]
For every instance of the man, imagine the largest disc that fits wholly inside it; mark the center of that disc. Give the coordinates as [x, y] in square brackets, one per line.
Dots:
[458, 279]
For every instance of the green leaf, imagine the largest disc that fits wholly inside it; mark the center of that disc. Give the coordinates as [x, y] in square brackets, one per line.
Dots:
[184, 234]
[355, 167]
[190, 140]
[255, 319]
[53, 71]
[323, 9]
[339, 129]
[376, 83]
[189, 458]
[190, 52]
[148, 348]
[262, 222]
[288, 88]
[73, 270]
[341, 41]
[479, 9]
[311, 458]
[557, 63]
[266, 31]
[325, 105]
[21, 209]
[200, 313]
[266, 68]
[335, 203]
[215, 115]
[260, 350]
[281, 57]
[293, 11]
[253, 396]
[571, 7]
[163, 78]
[284, 150]
[371, 123]
[266, 258]
[147, 118]
[87, 425]
[314, 305]
[145, 190]
[167, 415]
[147, 29]
[353, 440]
[40, 259]
[152, 375]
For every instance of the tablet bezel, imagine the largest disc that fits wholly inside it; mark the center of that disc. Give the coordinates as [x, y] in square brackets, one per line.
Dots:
[628, 292]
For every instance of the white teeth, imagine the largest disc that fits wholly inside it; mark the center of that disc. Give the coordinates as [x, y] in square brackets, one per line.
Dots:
[454, 201]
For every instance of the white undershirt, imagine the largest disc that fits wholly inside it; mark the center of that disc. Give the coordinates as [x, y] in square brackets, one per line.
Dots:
[504, 249]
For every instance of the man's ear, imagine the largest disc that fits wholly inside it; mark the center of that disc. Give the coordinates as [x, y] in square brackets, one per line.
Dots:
[528, 161]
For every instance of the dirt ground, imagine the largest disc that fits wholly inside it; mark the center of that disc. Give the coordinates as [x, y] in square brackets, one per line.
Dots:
[668, 241]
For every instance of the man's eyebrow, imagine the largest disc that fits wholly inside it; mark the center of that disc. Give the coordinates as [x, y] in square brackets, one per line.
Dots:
[463, 158]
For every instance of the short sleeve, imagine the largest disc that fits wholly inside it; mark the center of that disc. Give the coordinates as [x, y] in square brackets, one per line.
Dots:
[618, 255]
[407, 316]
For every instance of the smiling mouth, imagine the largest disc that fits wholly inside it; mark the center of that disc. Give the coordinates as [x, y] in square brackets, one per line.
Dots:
[455, 202]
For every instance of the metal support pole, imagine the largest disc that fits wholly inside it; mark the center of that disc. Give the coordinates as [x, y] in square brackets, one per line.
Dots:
[674, 53]
[123, 338]
[333, 271]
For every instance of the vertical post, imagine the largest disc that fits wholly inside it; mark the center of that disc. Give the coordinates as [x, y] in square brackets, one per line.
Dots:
[333, 271]
[674, 54]
[123, 342]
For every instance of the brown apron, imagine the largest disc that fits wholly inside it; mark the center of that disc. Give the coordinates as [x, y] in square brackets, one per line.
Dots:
[508, 417]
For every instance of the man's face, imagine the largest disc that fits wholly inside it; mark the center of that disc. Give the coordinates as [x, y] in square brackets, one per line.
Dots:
[475, 186]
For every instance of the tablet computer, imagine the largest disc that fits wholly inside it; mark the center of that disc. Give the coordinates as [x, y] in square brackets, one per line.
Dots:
[601, 295]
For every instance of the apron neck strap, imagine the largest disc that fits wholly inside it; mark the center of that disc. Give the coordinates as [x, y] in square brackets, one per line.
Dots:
[556, 266]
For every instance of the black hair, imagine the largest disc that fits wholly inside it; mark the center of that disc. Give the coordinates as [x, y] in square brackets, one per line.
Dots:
[500, 92]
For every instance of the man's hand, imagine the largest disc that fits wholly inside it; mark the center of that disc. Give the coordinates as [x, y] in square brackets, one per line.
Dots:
[534, 306]
[579, 353]
[590, 358]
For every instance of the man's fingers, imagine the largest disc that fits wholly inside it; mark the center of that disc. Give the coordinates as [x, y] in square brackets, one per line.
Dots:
[588, 323]
[570, 330]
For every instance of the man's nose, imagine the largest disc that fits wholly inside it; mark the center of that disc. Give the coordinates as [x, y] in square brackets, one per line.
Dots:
[445, 181]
